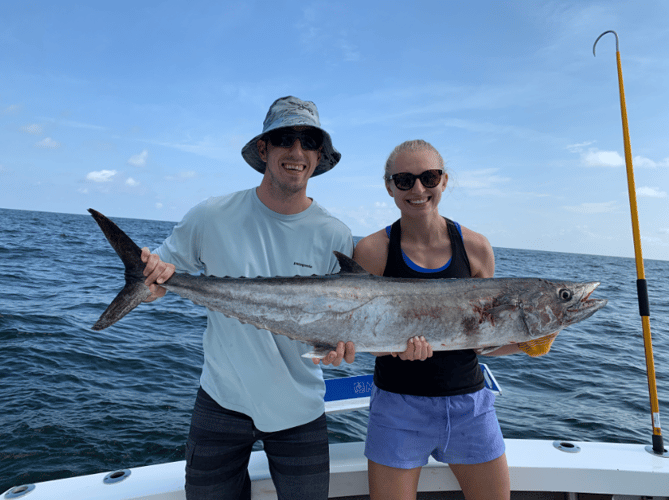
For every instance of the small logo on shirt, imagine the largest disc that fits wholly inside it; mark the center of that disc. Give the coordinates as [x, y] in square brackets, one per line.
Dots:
[302, 265]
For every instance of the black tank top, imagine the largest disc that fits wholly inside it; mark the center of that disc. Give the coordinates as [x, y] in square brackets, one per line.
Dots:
[446, 373]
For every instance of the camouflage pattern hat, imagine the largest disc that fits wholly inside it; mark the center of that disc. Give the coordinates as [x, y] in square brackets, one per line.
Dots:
[292, 112]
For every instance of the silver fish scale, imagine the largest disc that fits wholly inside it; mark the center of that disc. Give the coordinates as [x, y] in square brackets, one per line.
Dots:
[381, 314]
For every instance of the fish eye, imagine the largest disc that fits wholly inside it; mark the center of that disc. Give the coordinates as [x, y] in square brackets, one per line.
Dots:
[565, 294]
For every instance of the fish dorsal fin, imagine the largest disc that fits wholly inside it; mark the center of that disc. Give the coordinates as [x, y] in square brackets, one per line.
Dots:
[348, 265]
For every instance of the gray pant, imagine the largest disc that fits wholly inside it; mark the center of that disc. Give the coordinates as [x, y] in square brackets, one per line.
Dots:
[219, 448]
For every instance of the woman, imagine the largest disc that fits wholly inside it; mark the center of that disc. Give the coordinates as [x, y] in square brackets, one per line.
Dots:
[436, 405]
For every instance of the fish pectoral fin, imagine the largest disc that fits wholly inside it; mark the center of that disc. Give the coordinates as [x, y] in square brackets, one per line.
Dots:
[538, 347]
[319, 352]
[487, 350]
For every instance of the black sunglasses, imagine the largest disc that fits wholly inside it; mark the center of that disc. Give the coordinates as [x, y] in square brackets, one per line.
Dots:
[311, 138]
[405, 180]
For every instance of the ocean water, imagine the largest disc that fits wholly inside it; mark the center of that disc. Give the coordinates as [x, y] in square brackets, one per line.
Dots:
[74, 401]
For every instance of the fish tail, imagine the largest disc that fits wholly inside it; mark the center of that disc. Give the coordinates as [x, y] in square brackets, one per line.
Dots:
[135, 291]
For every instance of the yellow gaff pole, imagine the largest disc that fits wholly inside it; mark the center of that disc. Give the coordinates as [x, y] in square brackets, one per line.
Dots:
[642, 288]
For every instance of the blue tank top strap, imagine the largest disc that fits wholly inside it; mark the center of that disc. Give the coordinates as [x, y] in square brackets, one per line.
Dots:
[456, 225]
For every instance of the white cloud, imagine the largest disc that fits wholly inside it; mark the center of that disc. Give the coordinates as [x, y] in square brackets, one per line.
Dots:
[139, 160]
[33, 129]
[641, 162]
[593, 208]
[131, 182]
[182, 176]
[47, 143]
[585, 230]
[14, 108]
[577, 148]
[208, 147]
[349, 50]
[596, 158]
[480, 179]
[365, 219]
[88, 126]
[159, 205]
[318, 35]
[101, 176]
[69, 123]
[651, 240]
[649, 192]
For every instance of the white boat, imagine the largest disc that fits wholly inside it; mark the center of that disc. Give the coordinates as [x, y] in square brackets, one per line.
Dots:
[538, 469]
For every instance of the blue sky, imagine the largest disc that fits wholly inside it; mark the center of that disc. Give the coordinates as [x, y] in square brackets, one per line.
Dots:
[140, 109]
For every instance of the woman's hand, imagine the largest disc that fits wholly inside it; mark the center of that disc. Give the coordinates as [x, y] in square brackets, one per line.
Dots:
[418, 349]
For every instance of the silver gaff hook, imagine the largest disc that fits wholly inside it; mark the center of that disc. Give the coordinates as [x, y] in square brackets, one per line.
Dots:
[600, 36]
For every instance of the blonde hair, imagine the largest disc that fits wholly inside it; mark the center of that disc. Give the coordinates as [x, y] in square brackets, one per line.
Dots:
[414, 145]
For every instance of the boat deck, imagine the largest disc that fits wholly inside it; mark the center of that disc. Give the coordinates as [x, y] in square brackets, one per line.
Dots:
[538, 470]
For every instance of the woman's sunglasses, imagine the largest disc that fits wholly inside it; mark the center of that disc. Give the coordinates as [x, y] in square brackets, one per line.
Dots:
[405, 180]
[311, 138]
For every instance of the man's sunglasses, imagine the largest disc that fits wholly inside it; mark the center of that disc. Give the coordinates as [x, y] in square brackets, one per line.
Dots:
[405, 180]
[311, 138]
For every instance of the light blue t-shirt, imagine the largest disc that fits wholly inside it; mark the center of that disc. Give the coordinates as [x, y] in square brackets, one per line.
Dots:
[245, 369]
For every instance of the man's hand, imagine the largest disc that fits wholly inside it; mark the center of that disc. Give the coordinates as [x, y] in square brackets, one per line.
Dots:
[156, 271]
[418, 349]
[345, 351]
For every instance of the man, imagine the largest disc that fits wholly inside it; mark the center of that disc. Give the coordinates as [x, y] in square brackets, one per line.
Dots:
[255, 385]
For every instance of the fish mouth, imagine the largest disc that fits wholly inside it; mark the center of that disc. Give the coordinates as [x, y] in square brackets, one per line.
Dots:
[586, 306]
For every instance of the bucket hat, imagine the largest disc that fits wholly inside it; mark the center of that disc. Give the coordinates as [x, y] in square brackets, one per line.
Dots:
[292, 112]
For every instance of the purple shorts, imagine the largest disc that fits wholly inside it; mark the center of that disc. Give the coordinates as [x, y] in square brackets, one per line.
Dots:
[403, 431]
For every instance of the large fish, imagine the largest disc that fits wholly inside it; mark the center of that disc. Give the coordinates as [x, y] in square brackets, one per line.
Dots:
[378, 314]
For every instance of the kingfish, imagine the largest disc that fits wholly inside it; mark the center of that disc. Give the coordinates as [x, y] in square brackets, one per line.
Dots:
[377, 314]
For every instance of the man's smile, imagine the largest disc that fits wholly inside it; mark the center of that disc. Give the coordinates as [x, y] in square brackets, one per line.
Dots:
[297, 167]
